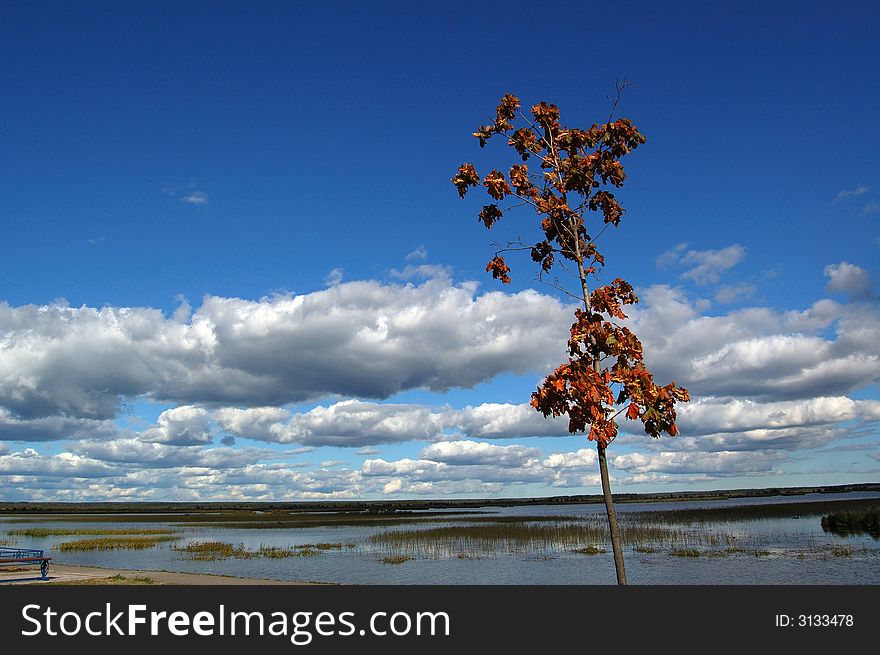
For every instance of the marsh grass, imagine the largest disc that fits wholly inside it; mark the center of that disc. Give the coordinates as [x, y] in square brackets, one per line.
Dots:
[68, 532]
[842, 551]
[114, 543]
[507, 538]
[590, 550]
[396, 559]
[853, 522]
[757, 512]
[216, 550]
[685, 552]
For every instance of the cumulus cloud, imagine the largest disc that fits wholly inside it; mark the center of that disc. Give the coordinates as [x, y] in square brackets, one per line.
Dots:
[181, 426]
[848, 278]
[504, 421]
[715, 463]
[712, 415]
[702, 266]
[52, 428]
[765, 383]
[261, 423]
[757, 352]
[477, 464]
[357, 423]
[472, 453]
[159, 455]
[350, 423]
[66, 465]
[579, 459]
[358, 339]
[53, 478]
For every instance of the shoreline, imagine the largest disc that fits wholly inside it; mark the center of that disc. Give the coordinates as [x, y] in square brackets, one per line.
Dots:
[71, 574]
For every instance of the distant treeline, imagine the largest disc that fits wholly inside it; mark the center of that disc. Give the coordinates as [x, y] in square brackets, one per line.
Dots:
[389, 506]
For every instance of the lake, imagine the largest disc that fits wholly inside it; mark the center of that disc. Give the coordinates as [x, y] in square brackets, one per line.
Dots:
[768, 540]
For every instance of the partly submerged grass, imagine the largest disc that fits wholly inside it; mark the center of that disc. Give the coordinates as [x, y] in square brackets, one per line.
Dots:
[590, 550]
[685, 552]
[114, 543]
[396, 559]
[513, 538]
[214, 550]
[67, 532]
[756, 512]
[853, 522]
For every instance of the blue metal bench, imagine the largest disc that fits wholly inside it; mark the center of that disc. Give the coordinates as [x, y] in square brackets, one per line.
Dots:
[13, 556]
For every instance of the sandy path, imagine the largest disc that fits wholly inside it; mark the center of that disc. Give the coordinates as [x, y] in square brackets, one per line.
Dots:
[66, 573]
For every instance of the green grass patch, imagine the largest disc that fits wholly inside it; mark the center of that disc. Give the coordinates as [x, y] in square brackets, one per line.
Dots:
[685, 552]
[590, 550]
[396, 559]
[114, 543]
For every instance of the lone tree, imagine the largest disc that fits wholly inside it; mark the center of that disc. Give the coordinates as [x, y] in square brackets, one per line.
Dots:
[605, 374]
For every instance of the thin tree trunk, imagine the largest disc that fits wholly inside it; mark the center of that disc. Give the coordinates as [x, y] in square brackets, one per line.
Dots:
[616, 543]
[613, 528]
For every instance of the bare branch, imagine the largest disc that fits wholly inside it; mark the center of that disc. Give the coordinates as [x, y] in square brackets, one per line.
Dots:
[619, 87]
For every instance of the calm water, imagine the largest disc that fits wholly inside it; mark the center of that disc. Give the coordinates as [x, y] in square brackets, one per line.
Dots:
[794, 551]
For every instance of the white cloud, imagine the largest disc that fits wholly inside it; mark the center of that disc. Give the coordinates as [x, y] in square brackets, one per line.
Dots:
[51, 428]
[848, 194]
[261, 423]
[354, 423]
[471, 453]
[357, 339]
[420, 254]
[715, 463]
[734, 293]
[580, 459]
[334, 277]
[752, 352]
[137, 452]
[848, 278]
[503, 421]
[66, 465]
[702, 266]
[180, 426]
[712, 415]
[195, 198]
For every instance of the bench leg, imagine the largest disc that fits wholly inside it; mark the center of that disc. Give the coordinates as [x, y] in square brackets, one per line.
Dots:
[44, 569]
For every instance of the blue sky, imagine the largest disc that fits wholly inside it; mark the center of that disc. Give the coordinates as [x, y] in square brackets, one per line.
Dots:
[232, 264]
